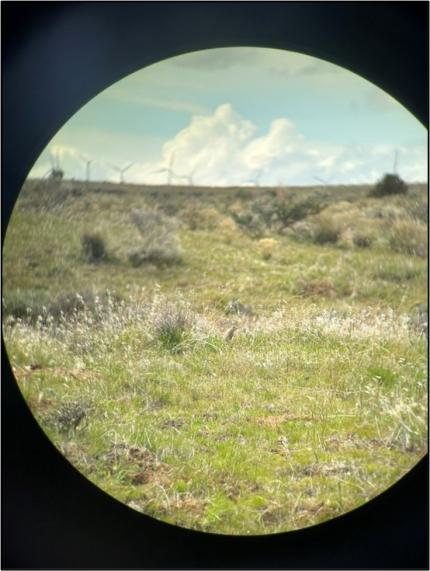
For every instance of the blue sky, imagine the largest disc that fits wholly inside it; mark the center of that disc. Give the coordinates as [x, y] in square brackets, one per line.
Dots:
[237, 115]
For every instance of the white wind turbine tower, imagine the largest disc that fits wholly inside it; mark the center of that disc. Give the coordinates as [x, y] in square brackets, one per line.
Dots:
[256, 180]
[324, 181]
[189, 177]
[88, 163]
[169, 170]
[191, 174]
[321, 180]
[121, 170]
[396, 157]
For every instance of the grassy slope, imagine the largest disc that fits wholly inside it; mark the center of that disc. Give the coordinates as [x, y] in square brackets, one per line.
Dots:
[304, 414]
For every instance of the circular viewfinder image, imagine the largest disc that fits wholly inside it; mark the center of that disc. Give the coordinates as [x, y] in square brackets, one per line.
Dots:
[215, 291]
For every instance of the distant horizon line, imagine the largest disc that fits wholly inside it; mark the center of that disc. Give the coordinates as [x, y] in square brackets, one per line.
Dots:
[146, 184]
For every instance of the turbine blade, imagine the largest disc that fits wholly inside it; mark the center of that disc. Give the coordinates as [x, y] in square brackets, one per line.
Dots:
[127, 167]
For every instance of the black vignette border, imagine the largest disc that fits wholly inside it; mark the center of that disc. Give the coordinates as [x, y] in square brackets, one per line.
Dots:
[56, 56]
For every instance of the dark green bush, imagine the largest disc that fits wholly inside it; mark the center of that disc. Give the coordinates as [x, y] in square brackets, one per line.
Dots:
[389, 184]
[362, 240]
[93, 247]
[275, 213]
[290, 212]
[250, 222]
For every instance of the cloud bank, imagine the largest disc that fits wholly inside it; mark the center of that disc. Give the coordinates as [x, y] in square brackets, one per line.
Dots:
[224, 148]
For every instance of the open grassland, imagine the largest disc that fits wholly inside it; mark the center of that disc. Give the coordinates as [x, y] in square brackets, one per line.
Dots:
[270, 375]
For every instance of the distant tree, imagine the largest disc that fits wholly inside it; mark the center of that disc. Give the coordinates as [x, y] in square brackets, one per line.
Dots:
[56, 175]
[388, 185]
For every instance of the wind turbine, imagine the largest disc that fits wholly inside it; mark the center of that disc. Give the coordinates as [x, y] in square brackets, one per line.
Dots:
[396, 156]
[189, 177]
[323, 181]
[169, 170]
[87, 165]
[121, 170]
[256, 180]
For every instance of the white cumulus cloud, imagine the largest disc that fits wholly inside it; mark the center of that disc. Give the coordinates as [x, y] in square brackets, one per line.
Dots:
[223, 148]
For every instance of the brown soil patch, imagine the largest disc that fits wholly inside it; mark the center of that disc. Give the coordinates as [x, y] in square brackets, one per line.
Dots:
[40, 405]
[28, 370]
[322, 288]
[148, 468]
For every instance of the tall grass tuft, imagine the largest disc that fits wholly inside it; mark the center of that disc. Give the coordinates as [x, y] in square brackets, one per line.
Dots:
[409, 237]
[25, 304]
[171, 324]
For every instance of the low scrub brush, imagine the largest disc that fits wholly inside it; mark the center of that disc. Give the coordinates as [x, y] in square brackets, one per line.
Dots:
[159, 243]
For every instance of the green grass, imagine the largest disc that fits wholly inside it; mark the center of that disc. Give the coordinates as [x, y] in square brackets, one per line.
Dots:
[315, 405]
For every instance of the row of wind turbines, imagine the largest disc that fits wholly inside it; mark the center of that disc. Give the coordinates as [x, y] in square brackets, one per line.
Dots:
[57, 173]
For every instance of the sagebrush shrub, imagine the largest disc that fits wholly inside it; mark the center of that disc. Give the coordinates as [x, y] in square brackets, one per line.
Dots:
[302, 231]
[227, 229]
[267, 246]
[159, 243]
[326, 230]
[198, 218]
[279, 212]
[250, 222]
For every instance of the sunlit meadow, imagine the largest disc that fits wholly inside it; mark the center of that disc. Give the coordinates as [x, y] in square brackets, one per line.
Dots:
[238, 361]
